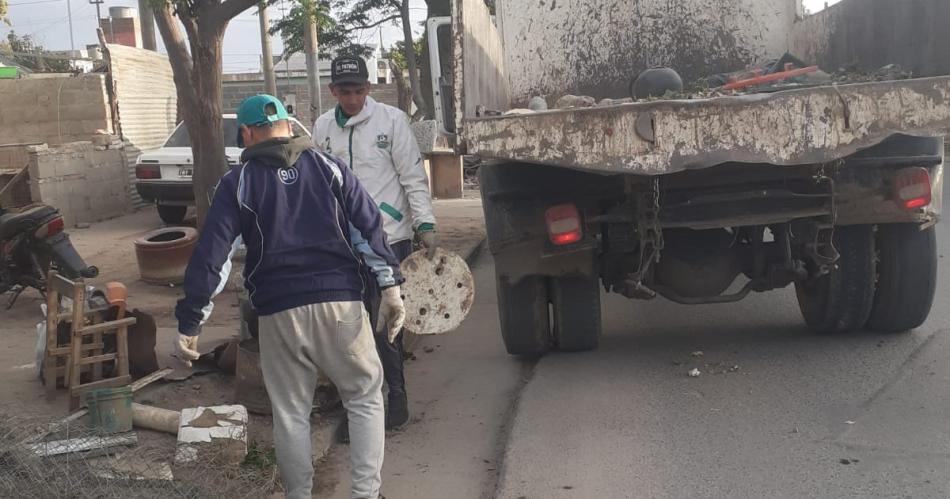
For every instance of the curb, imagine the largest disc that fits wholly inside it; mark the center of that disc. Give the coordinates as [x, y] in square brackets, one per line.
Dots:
[324, 438]
[473, 253]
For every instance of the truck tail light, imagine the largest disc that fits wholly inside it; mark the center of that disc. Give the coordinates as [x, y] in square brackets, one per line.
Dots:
[51, 228]
[912, 188]
[148, 172]
[564, 224]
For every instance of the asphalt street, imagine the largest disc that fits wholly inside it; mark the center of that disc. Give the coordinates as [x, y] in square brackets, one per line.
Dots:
[777, 411]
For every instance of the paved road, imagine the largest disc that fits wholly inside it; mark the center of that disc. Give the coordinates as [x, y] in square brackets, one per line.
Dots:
[777, 411]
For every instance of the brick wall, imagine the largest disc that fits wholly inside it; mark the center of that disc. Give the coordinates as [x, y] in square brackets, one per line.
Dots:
[54, 110]
[87, 183]
[238, 87]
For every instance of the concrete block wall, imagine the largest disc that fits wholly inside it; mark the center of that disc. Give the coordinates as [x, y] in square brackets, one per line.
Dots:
[86, 182]
[53, 110]
[239, 87]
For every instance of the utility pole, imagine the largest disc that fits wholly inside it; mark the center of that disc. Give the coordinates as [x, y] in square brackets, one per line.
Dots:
[267, 56]
[69, 14]
[147, 20]
[97, 3]
[313, 72]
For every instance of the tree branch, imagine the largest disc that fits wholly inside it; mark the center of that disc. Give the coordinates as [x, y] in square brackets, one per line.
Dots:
[171, 36]
[229, 9]
[191, 29]
[372, 25]
[178, 55]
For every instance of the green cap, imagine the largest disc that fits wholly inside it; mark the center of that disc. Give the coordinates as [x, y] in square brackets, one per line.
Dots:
[253, 111]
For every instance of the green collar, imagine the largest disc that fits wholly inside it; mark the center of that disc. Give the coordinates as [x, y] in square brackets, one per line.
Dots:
[341, 118]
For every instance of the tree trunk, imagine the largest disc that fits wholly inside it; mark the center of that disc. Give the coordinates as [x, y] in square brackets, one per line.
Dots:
[198, 83]
[203, 119]
[402, 93]
[416, 89]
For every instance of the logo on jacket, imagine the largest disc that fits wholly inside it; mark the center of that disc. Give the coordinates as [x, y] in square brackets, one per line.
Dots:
[288, 176]
[382, 141]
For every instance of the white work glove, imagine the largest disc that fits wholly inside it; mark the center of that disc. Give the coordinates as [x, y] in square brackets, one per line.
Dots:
[392, 313]
[186, 348]
[429, 242]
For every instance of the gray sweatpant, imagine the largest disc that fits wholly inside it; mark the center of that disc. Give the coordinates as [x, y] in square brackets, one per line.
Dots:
[336, 338]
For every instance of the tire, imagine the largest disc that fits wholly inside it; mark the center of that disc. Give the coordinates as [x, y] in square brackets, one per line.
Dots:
[523, 313]
[841, 300]
[906, 277]
[172, 215]
[576, 300]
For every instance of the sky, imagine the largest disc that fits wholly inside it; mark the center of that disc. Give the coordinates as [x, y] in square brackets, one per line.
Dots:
[817, 5]
[48, 22]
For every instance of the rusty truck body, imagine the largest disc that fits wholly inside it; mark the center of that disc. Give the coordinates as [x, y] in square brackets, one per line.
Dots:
[833, 189]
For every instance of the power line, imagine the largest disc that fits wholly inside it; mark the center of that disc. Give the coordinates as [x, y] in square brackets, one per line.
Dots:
[34, 2]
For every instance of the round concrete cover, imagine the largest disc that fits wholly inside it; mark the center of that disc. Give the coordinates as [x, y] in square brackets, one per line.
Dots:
[438, 293]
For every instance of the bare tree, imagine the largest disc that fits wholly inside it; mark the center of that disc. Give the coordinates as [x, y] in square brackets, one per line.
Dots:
[196, 66]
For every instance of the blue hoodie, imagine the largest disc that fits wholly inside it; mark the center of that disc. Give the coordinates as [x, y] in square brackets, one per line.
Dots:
[308, 226]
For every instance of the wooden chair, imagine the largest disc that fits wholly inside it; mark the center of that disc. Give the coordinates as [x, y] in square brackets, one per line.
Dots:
[85, 351]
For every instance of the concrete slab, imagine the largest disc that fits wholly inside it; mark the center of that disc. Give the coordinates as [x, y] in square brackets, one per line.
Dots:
[219, 430]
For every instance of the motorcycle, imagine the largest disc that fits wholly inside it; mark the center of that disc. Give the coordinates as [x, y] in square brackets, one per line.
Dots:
[32, 242]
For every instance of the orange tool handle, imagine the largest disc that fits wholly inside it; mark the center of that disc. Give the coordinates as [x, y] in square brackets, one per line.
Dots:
[767, 78]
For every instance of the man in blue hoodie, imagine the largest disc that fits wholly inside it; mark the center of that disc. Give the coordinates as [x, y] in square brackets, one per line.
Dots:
[309, 228]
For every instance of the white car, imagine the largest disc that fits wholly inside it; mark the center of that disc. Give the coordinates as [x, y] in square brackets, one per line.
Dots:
[163, 176]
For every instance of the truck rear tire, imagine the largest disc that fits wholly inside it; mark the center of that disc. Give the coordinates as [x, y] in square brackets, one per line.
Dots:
[172, 215]
[576, 301]
[906, 277]
[523, 313]
[841, 300]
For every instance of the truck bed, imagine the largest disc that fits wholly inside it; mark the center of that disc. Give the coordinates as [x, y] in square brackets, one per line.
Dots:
[792, 127]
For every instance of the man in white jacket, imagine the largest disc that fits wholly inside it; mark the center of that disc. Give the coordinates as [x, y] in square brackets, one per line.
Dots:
[375, 140]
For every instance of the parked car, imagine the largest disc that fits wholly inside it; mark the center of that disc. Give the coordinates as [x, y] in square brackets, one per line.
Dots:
[163, 176]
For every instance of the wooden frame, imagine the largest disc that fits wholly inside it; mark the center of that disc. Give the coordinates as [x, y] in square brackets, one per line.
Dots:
[79, 353]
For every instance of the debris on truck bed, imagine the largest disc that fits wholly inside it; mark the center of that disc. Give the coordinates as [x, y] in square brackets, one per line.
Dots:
[785, 72]
[851, 74]
[568, 101]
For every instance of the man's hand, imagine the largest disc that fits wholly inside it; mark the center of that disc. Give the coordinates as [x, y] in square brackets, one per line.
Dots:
[429, 242]
[186, 348]
[392, 313]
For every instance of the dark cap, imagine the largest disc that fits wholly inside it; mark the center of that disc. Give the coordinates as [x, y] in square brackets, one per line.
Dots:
[348, 69]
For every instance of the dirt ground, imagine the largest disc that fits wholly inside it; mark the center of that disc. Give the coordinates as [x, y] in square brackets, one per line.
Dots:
[109, 246]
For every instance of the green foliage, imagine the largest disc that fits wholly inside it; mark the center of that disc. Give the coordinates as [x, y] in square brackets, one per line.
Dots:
[16, 47]
[363, 14]
[397, 54]
[259, 457]
[331, 36]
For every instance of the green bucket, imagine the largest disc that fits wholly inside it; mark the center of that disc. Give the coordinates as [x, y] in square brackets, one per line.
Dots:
[110, 409]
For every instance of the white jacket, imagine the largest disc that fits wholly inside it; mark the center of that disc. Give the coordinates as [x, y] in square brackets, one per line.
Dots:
[380, 148]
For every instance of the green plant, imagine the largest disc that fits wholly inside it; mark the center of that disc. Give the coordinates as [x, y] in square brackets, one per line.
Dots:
[259, 457]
